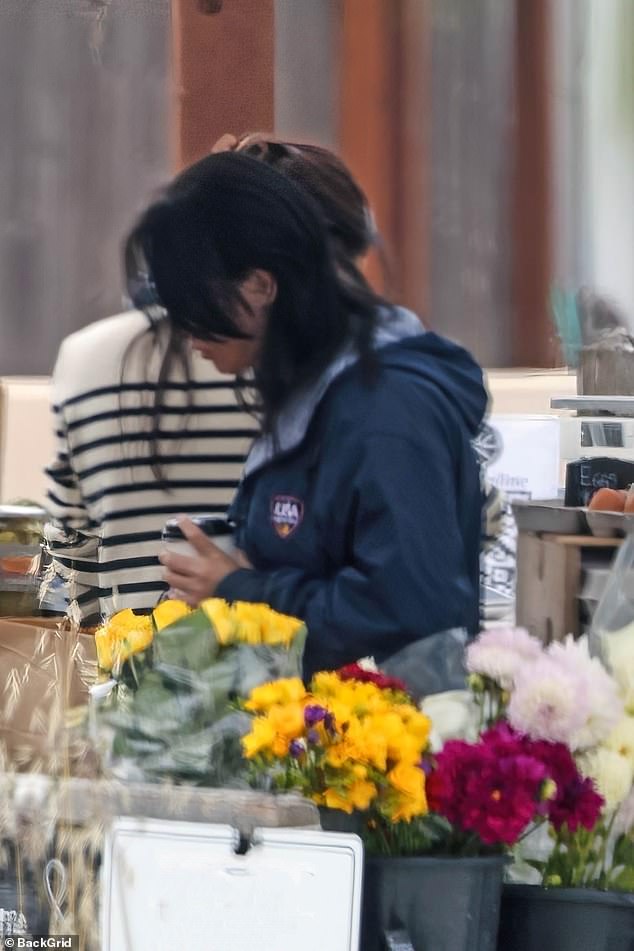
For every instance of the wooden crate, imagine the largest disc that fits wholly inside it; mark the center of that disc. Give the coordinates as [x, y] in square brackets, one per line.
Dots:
[549, 577]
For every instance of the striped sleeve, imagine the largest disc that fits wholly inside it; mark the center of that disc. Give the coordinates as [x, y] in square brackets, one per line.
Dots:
[65, 504]
[67, 538]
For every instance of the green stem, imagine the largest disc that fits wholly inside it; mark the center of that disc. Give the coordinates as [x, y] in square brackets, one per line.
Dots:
[600, 871]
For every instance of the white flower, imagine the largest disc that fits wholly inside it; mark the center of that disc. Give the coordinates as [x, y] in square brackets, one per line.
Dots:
[368, 664]
[597, 691]
[611, 772]
[500, 653]
[621, 739]
[545, 703]
[454, 716]
[618, 650]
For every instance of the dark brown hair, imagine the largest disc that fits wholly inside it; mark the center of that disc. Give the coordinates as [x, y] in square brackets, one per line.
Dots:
[345, 212]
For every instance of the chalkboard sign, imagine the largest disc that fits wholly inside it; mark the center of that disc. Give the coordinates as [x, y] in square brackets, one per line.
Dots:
[585, 476]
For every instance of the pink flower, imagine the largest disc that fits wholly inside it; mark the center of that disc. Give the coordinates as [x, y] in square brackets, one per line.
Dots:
[547, 702]
[601, 701]
[500, 653]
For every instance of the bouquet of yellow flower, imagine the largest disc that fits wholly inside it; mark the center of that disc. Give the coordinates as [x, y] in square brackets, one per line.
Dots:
[346, 744]
[179, 673]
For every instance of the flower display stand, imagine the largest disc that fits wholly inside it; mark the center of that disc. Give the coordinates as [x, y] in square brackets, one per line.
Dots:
[565, 919]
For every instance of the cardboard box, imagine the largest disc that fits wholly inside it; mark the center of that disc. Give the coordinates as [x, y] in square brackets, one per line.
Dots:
[550, 573]
[45, 669]
[26, 438]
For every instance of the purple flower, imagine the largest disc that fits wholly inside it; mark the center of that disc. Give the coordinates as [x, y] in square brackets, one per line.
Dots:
[297, 749]
[315, 714]
[313, 737]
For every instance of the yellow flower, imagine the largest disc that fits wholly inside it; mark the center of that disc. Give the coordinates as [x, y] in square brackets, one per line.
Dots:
[406, 749]
[264, 697]
[288, 720]
[407, 779]
[407, 808]
[248, 621]
[326, 684]
[103, 645]
[367, 743]
[167, 612]
[411, 801]
[417, 723]
[125, 634]
[361, 793]
[339, 754]
[333, 799]
[260, 739]
[280, 746]
[279, 628]
[221, 616]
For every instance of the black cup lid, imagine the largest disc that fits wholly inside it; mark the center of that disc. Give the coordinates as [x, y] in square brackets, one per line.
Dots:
[212, 525]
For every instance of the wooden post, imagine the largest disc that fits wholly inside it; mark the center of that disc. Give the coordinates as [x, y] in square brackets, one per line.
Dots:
[223, 56]
[413, 205]
[533, 337]
[369, 111]
[383, 133]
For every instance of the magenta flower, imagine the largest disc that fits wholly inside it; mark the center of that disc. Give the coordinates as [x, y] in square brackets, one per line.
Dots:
[491, 787]
[575, 802]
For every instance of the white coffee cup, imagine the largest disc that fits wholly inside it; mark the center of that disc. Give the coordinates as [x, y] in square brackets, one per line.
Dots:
[215, 526]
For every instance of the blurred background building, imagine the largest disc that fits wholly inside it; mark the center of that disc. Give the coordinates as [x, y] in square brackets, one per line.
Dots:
[495, 139]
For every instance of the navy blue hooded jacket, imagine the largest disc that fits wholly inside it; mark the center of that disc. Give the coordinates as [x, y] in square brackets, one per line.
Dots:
[364, 517]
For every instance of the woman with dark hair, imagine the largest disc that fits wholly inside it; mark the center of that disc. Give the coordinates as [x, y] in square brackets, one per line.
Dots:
[146, 429]
[360, 507]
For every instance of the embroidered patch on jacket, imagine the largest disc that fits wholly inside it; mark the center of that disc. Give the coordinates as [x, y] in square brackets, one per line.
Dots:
[287, 514]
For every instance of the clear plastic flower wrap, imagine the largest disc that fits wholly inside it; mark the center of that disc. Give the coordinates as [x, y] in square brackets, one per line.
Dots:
[172, 713]
[612, 635]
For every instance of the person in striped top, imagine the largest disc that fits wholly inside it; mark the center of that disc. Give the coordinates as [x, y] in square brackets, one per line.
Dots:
[146, 429]
[113, 482]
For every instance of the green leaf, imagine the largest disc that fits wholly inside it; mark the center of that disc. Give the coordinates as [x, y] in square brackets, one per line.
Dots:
[624, 851]
[188, 645]
[624, 881]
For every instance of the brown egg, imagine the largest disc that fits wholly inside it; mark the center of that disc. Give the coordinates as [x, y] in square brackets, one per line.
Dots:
[608, 500]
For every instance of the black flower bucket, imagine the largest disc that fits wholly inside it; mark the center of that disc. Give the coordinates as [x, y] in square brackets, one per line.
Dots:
[565, 919]
[437, 904]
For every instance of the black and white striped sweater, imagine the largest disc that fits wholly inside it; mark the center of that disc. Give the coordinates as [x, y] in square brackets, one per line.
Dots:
[106, 508]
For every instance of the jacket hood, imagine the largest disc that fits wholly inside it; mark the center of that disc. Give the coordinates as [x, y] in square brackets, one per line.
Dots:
[401, 342]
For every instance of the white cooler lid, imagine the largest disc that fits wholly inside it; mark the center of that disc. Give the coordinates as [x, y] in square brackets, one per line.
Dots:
[169, 885]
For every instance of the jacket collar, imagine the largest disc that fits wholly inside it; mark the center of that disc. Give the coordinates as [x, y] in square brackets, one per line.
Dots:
[394, 324]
